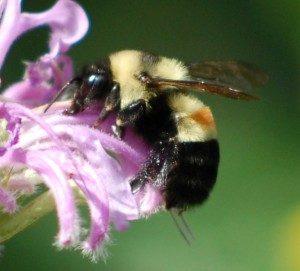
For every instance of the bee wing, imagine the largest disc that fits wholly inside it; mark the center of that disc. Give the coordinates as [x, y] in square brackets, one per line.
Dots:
[201, 86]
[237, 74]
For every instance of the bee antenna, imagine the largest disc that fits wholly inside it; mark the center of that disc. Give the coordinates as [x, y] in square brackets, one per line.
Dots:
[186, 226]
[182, 227]
[61, 92]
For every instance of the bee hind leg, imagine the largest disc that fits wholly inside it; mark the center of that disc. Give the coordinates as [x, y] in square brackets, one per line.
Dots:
[161, 161]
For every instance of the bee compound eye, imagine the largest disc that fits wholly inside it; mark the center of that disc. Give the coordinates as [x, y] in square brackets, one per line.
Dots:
[97, 80]
[92, 79]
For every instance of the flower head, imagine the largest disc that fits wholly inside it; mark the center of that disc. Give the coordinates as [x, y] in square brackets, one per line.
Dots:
[70, 155]
[74, 161]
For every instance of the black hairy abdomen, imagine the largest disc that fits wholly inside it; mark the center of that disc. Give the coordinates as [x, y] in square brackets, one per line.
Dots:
[185, 172]
[193, 175]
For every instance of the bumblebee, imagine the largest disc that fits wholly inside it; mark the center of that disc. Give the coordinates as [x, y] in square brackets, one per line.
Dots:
[151, 94]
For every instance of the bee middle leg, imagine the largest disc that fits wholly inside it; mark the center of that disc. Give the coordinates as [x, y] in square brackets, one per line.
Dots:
[111, 104]
[128, 116]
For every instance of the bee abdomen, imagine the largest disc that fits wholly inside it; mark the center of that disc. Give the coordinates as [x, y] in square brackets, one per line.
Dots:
[194, 175]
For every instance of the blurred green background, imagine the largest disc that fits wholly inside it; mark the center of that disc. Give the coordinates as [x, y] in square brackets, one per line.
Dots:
[250, 221]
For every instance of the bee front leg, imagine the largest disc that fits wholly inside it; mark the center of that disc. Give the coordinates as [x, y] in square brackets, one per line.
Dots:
[128, 116]
[77, 104]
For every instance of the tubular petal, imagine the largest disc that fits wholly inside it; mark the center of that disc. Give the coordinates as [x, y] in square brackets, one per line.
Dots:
[7, 200]
[66, 19]
[66, 151]
[55, 179]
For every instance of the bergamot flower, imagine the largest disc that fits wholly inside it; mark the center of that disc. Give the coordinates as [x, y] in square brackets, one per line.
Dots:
[52, 161]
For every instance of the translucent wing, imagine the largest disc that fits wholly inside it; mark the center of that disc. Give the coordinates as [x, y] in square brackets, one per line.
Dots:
[200, 86]
[224, 78]
[236, 74]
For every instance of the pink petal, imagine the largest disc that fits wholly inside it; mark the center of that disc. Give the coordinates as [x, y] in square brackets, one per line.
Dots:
[66, 19]
[150, 200]
[60, 148]
[53, 176]
[7, 200]
[8, 28]
[68, 23]
[25, 93]
[42, 81]
[55, 179]
[22, 185]
[12, 127]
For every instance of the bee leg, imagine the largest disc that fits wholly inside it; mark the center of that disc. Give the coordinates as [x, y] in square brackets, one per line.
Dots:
[84, 96]
[131, 113]
[148, 173]
[152, 172]
[137, 183]
[112, 103]
[74, 84]
[161, 161]
[128, 116]
[77, 104]
[118, 131]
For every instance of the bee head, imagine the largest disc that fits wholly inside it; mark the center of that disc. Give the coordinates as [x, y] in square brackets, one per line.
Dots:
[91, 85]
[96, 80]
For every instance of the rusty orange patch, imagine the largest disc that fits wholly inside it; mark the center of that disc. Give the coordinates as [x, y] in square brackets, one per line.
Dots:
[203, 117]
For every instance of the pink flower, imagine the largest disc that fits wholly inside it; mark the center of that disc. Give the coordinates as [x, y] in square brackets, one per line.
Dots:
[41, 82]
[68, 154]
[68, 23]
[76, 162]
[67, 20]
